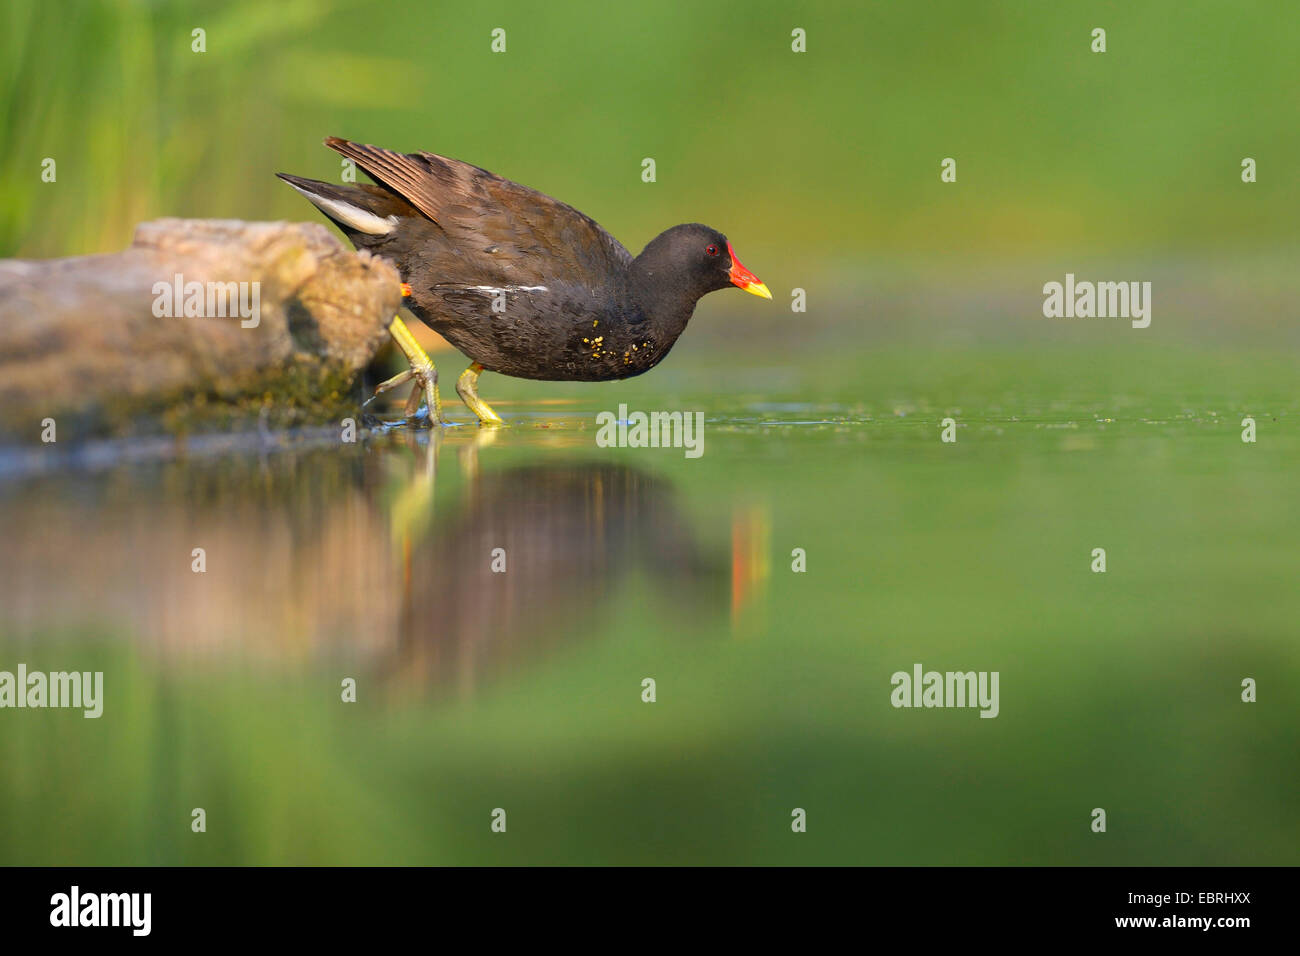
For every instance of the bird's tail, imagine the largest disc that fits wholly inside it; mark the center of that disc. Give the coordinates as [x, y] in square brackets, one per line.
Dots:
[361, 209]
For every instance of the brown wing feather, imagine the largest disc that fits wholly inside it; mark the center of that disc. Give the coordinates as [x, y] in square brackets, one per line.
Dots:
[502, 231]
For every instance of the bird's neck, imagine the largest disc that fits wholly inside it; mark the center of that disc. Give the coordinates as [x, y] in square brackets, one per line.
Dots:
[666, 306]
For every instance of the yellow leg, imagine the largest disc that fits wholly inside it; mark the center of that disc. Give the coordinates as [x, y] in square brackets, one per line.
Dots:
[466, 388]
[421, 370]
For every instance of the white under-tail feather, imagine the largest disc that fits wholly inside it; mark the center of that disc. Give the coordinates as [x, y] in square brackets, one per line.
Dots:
[361, 220]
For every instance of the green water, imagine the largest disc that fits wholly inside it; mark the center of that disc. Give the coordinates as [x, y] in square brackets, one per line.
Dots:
[522, 690]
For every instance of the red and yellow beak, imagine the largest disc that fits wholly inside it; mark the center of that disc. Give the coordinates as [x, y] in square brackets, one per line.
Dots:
[742, 277]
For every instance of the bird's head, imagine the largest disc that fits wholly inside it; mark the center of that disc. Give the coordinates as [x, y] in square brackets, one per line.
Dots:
[699, 260]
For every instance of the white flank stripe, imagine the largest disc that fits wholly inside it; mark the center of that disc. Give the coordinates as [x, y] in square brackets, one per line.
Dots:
[505, 288]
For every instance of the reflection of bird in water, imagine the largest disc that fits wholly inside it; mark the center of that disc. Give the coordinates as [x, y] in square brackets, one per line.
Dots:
[568, 536]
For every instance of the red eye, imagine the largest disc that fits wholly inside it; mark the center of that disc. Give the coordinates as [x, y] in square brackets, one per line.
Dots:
[712, 250]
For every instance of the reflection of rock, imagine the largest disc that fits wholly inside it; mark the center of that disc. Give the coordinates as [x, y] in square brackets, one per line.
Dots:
[79, 340]
[571, 535]
[298, 564]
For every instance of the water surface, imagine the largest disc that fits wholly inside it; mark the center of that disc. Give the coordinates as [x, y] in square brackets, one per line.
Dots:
[522, 689]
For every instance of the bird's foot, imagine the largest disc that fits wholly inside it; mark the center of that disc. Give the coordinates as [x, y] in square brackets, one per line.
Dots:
[422, 373]
[467, 389]
[417, 413]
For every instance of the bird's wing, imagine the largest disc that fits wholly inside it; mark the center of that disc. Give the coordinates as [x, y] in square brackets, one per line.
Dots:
[501, 232]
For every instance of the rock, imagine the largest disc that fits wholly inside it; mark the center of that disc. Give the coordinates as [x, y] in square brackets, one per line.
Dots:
[104, 345]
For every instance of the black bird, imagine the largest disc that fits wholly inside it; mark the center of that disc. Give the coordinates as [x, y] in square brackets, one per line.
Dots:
[523, 284]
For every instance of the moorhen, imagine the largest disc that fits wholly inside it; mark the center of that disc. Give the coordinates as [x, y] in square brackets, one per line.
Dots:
[521, 283]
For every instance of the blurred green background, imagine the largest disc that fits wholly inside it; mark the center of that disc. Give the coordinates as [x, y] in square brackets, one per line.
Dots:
[522, 690]
[809, 160]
